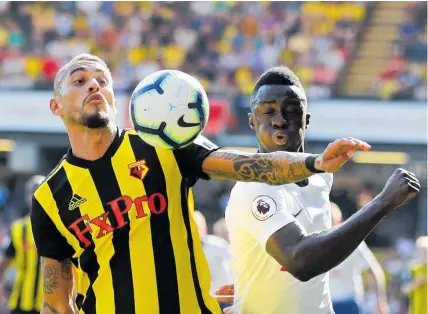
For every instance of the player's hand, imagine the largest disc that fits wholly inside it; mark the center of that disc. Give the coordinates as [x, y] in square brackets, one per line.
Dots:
[401, 186]
[225, 293]
[338, 153]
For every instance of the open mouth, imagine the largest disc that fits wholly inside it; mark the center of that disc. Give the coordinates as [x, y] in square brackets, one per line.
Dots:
[280, 138]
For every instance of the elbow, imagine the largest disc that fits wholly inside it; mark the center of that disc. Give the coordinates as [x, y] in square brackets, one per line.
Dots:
[299, 270]
[302, 275]
[302, 265]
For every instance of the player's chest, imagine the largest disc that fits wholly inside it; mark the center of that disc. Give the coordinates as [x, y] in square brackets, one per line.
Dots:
[312, 207]
[108, 199]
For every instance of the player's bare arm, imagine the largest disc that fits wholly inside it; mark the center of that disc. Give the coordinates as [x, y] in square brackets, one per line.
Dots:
[279, 167]
[57, 287]
[308, 255]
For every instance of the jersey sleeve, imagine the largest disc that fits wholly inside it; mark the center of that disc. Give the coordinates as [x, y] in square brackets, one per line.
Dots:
[261, 210]
[49, 241]
[191, 157]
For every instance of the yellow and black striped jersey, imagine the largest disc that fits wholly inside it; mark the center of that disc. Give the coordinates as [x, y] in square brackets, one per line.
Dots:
[27, 292]
[126, 221]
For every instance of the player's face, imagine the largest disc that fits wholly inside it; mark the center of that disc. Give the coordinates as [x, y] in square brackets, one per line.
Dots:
[87, 96]
[280, 126]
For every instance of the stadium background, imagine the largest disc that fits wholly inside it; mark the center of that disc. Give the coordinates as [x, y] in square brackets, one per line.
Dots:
[363, 65]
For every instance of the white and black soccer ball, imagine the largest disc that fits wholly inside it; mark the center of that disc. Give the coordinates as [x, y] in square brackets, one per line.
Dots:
[169, 109]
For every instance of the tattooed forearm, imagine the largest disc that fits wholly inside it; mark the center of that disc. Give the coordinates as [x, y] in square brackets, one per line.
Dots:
[273, 168]
[50, 282]
[66, 270]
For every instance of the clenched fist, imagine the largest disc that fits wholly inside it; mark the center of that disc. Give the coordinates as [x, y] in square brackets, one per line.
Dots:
[401, 186]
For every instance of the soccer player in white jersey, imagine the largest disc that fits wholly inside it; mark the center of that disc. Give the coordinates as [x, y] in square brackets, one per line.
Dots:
[282, 240]
[346, 282]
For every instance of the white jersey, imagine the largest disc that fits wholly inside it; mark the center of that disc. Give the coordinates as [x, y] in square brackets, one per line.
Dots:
[256, 211]
[345, 279]
[217, 253]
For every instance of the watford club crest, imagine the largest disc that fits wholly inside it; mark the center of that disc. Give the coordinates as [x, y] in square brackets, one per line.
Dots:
[138, 169]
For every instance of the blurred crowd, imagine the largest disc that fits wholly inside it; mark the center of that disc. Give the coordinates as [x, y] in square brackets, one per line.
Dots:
[227, 45]
[405, 76]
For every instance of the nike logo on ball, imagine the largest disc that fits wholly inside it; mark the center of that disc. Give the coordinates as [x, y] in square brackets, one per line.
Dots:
[185, 124]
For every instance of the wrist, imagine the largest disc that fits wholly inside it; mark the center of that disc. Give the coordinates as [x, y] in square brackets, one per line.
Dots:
[317, 163]
[382, 200]
[313, 163]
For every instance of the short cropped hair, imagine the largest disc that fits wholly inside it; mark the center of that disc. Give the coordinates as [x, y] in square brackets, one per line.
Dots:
[60, 76]
[280, 75]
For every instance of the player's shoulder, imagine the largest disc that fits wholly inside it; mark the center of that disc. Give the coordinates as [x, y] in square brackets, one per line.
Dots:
[245, 198]
[327, 179]
[250, 190]
[49, 181]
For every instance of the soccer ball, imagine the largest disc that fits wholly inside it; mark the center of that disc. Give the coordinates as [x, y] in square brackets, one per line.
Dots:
[169, 109]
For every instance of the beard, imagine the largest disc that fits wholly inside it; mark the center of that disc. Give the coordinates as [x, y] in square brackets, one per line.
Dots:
[95, 120]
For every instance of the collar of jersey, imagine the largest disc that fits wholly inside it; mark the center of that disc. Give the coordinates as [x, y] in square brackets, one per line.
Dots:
[84, 163]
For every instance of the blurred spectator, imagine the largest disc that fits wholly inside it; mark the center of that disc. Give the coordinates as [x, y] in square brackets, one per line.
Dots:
[405, 75]
[417, 287]
[220, 229]
[217, 252]
[346, 282]
[237, 40]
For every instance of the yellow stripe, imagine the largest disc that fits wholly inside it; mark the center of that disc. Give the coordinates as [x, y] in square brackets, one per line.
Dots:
[83, 282]
[187, 293]
[79, 179]
[46, 200]
[16, 234]
[140, 246]
[27, 296]
[202, 266]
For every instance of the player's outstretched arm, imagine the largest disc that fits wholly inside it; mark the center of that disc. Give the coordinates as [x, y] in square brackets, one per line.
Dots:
[279, 167]
[308, 255]
[57, 287]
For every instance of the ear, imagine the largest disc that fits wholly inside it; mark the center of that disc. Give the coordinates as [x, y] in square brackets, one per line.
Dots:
[251, 120]
[308, 118]
[55, 107]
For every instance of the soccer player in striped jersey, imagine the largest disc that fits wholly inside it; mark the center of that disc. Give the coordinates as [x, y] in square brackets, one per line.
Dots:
[27, 292]
[121, 210]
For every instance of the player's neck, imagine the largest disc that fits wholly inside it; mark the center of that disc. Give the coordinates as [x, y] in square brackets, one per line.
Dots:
[90, 144]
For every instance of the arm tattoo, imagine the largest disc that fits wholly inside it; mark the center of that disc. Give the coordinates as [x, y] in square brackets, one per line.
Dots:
[66, 272]
[50, 282]
[272, 168]
[50, 308]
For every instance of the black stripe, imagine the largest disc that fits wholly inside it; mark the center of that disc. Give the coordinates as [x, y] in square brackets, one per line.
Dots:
[24, 265]
[120, 263]
[36, 283]
[186, 218]
[62, 193]
[79, 301]
[166, 272]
